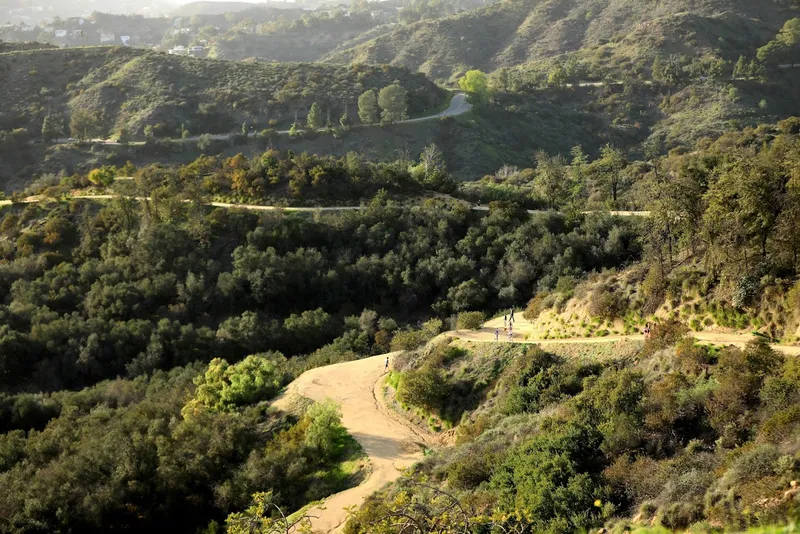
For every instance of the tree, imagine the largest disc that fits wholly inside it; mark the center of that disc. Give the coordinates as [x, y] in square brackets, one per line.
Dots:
[52, 127]
[740, 69]
[474, 83]
[368, 107]
[314, 119]
[557, 77]
[432, 159]
[104, 176]
[552, 179]
[84, 125]
[787, 37]
[393, 99]
[609, 169]
[204, 143]
[344, 120]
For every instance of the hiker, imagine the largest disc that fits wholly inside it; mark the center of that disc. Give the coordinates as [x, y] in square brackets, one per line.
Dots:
[647, 331]
[510, 335]
[505, 320]
[386, 367]
[497, 334]
[512, 315]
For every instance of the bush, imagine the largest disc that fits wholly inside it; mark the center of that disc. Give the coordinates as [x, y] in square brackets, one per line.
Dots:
[471, 470]
[679, 515]
[781, 426]
[664, 335]
[409, 339]
[325, 432]
[225, 387]
[425, 388]
[607, 304]
[470, 320]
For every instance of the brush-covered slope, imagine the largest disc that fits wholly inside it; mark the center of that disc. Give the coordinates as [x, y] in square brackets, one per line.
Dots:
[517, 31]
[132, 89]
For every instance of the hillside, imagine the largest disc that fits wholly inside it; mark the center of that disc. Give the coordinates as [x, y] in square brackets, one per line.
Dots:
[223, 7]
[129, 89]
[305, 39]
[519, 31]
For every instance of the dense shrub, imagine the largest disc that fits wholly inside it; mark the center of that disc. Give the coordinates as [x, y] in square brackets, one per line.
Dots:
[470, 320]
[607, 303]
[426, 388]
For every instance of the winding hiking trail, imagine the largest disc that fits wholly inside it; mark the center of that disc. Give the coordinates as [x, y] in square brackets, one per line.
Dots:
[390, 442]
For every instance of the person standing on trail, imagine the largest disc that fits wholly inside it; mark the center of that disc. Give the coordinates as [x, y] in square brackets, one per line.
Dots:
[505, 320]
[512, 315]
[386, 366]
[497, 334]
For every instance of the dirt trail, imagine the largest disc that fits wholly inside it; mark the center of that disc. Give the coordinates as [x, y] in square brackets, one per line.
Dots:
[390, 444]
[523, 329]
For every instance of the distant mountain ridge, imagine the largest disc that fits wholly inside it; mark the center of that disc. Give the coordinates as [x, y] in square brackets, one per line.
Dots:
[513, 32]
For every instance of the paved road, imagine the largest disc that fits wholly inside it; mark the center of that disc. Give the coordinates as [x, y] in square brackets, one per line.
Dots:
[458, 106]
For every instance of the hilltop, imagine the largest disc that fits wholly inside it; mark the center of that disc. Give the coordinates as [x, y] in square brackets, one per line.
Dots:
[128, 89]
[519, 31]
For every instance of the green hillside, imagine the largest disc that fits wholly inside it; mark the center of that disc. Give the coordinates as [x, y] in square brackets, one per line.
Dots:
[518, 31]
[129, 89]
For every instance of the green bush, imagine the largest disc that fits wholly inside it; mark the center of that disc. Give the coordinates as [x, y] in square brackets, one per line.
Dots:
[470, 320]
[325, 432]
[425, 388]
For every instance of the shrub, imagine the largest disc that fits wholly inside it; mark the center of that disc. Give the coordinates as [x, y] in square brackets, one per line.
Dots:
[680, 515]
[746, 290]
[409, 339]
[664, 335]
[693, 358]
[471, 470]
[226, 387]
[536, 306]
[781, 426]
[325, 432]
[425, 388]
[607, 304]
[470, 320]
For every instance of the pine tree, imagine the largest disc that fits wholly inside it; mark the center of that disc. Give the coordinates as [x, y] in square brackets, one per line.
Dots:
[314, 119]
[740, 69]
[52, 127]
[368, 107]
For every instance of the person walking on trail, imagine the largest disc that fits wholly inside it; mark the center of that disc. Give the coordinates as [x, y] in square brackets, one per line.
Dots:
[386, 367]
[505, 320]
[512, 315]
[511, 335]
[497, 334]
[647, 331]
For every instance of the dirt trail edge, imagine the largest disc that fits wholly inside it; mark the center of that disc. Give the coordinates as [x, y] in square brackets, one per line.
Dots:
[390, 445]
